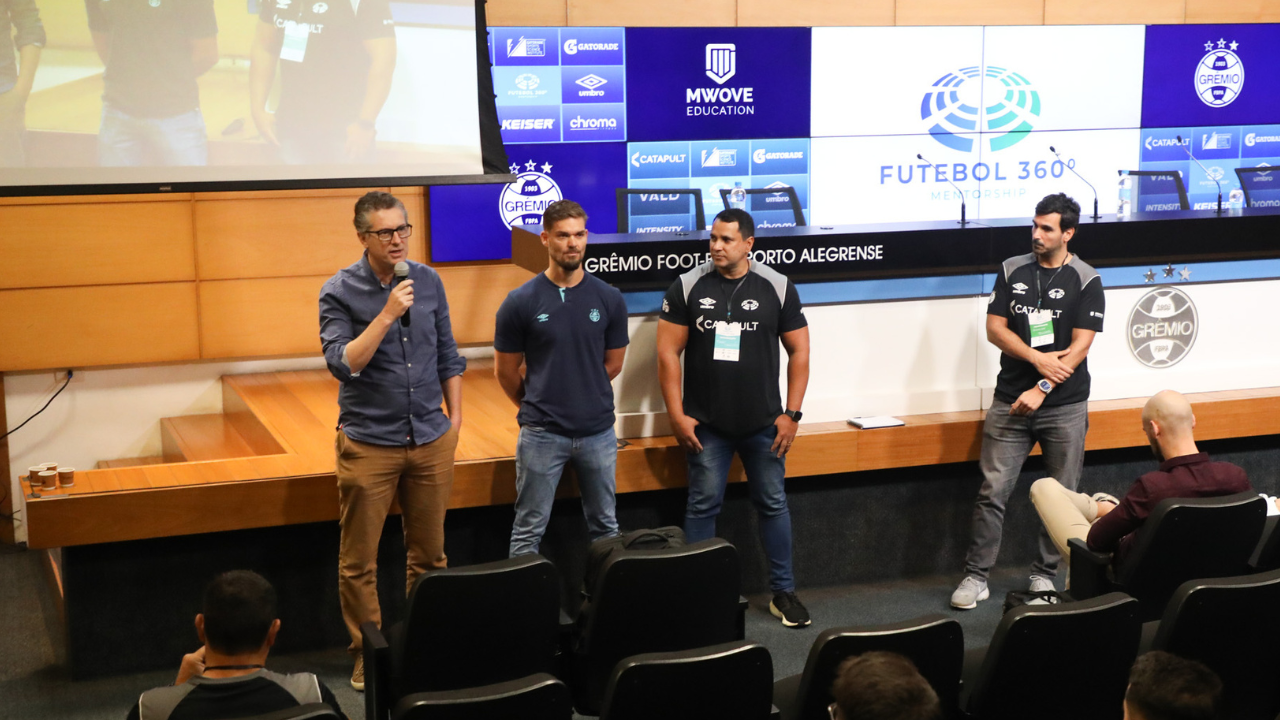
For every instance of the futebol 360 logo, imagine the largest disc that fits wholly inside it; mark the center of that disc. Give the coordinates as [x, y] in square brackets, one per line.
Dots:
[721, 66]
[954, 105]
[1219, 74]
[1162, 327]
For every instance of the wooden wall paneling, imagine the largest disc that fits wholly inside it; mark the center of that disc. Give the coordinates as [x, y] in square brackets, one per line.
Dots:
[55, 245]
[99, 325]
[654, 13]
[256, 317]
[7, 503]
[415, 207]
[474, 293]
[978, 12]
[1109, 12]
[520, 13]
[1239, 11]
[815, 13]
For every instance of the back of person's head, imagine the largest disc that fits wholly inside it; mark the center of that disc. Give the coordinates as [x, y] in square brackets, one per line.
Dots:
[1171, 410]
[883, 686]
[1163, 686]
[239, 610]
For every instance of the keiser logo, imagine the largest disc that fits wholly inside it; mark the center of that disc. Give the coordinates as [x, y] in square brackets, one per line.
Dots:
[637, 159]
[761, 155]
[1219, 76]
[529, 124]
[572, 46]
[1252, 139]
[721, 66]
[1152, 142]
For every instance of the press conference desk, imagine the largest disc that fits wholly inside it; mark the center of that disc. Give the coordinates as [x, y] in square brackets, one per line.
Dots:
[644, 261]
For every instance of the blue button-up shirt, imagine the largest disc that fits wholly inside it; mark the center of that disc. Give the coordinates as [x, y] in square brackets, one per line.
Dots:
[396, 398]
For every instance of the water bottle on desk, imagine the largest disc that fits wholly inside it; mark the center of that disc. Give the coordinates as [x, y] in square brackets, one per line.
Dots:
[1236, 199]
[738, 197]
[1126, 196]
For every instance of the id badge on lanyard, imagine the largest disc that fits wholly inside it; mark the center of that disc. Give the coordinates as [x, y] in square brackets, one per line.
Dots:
[728, 343]
[1041, 322]
[294, 47]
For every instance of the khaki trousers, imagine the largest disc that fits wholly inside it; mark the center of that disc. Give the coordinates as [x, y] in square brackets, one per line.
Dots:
[369, 478]
[1066, 514]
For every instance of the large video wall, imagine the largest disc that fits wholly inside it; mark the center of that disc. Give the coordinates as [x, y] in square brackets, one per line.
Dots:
[841, 114]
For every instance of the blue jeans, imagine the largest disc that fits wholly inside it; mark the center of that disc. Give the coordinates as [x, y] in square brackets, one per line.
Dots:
[540, 459]
[128, 141]
[766, 473]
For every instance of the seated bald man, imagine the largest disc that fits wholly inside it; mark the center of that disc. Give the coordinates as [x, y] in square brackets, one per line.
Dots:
[1185, 472]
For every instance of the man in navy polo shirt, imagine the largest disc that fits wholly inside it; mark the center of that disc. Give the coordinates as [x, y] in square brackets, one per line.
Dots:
[569, 328]
[726, 316]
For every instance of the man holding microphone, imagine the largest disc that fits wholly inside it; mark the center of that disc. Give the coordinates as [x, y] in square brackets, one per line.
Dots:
[384, 326]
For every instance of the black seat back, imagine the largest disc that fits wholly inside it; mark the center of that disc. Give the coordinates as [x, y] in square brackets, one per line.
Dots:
[655, 601]
[1187, 539]
[731, 680]
[1059, 662]
[310, 711]
[1267, 556]
[478, 625]
[537, 697]
[935, 643]
[1230, 625]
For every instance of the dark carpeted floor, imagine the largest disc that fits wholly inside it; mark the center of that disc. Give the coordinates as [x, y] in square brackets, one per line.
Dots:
[34, 682]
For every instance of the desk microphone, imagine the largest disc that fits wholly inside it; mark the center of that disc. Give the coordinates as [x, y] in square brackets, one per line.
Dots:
[963, 222]
[402, 271]
[1187, 150]
[1095, 215]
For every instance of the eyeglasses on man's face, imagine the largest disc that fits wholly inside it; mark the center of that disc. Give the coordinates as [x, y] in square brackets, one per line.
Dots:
[403, 231]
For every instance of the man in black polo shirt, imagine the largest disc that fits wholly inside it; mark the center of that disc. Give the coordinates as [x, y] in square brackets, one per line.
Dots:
[727, 316]
[153, 51]
[225, 678]
[336, 62]
[1043, 313]
[569, 328]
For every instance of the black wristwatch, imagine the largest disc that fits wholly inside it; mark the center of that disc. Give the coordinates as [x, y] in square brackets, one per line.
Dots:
[793, 414]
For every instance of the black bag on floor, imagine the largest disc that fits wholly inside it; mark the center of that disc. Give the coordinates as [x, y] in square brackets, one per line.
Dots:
[601, 550]
[1018, 598]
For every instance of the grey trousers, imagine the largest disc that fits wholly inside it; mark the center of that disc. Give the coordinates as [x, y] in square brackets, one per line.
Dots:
[1007, 440]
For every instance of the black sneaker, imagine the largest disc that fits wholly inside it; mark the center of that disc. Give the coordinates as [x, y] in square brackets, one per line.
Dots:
[787, 607]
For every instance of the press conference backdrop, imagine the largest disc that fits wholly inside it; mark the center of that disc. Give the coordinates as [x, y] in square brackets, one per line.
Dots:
[156, 94]
[840, 115]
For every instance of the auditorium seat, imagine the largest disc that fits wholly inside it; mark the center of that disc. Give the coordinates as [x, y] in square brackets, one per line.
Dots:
[732, 680]
[466, 627]
[1056, 662]
[1230, 625]
[1267, 556]
[654, 601]
[1184, 539]
[935, 643]
[537, 697]
[310, 711]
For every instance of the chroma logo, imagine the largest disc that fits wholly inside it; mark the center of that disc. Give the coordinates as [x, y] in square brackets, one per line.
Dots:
[1219, 75]
[956, 105]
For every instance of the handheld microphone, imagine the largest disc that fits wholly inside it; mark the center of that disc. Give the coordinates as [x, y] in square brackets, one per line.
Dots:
[963, 222]
[1095, 215]
[402, 272]
[1187, 150]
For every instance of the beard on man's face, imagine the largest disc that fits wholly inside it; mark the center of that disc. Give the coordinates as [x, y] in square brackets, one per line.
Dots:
[569, 265]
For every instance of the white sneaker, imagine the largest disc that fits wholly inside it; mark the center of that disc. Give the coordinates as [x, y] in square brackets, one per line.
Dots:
[1040, 583]
[971, 591]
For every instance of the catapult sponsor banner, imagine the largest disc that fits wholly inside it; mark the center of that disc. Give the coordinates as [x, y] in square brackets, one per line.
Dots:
[473, 222]
[727, 83]
[1211, 75]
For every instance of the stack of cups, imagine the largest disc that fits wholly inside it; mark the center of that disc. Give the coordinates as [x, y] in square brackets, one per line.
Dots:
[47, 476]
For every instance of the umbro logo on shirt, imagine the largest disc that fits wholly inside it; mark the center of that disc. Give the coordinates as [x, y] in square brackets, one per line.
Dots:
[1057, 293]
[1019, 289]
[707, 303]
[544, 317]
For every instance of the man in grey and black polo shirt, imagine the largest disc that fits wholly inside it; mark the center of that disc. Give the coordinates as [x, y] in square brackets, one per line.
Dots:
[1045, 309]
[726, 316]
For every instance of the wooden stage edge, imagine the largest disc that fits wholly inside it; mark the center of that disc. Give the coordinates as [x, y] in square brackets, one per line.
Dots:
[297, 411]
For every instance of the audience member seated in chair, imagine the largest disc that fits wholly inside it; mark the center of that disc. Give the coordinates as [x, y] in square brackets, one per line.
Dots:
[1163, 686]
[882, 686]
[1185, 472]
[225, 678]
